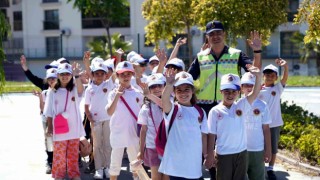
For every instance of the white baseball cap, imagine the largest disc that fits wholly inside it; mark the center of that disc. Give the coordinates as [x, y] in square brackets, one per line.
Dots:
[270, 67]
[156, 78]
[62, 60]
[53, 64]
[230, 81]
[109, 63]
[176, 62]
[96, 66]
[183, 78]
[51, 73]
[137, 59]
[130, 55]
[97, 59]
[124, 66]
[64, 68]
[248, 78]
[154, 58]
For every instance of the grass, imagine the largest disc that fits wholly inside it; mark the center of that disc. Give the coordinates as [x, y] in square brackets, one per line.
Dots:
[297, 81]
[12, 86]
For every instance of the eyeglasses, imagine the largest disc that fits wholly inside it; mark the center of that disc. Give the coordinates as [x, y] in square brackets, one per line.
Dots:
[156, 86]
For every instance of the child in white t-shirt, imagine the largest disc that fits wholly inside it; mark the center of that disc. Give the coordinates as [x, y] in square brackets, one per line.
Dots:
[226, 122]
[270, 93]
[65, 100]
[187, 139]
[96, 98]
[51, 80]
[257, 119]
[124, 104]
[150, 117]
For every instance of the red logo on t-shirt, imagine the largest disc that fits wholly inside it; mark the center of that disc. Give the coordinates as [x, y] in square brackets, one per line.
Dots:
[256, 111]
[273, 93]
[238, 112]
[137, 99]
[179, 116]
[219, 116]
[73, 98]
[105, 90]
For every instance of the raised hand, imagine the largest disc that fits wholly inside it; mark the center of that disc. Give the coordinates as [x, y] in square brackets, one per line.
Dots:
[119, 52]
[145, 88]
[23, 62]
[76, 69]
[120, 90]
[86, 57]
[281, 62]
[205, 46]
[161, 54]
[36, 93]
[255, 40]
[181, 41]
[254, 70]
[170, 76]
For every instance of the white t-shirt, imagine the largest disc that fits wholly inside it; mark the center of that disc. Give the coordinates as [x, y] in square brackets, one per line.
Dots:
[256, 115]
[229, 127]
[97, 99]
[54, 105]
[271, 95]
[123, 126]
[144, 118]
[183, 153]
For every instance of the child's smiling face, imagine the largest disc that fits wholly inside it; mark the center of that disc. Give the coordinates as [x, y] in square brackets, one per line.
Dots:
[229, 96]
[125, 78]
[184, 93]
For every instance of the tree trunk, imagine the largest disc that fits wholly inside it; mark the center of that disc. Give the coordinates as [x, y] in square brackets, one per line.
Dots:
[106, 25]
[190, 52]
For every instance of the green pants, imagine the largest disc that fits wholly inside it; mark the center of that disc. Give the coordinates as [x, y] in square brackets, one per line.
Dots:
[255, 165]
[232, 166]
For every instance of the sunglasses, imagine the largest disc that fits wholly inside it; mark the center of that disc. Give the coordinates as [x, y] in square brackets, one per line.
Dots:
[143, 64]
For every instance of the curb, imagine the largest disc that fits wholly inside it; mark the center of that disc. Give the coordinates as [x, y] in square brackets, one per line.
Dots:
[298, 164]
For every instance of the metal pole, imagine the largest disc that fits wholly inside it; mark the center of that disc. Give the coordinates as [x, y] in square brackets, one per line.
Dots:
[61, 50]
[138, 43]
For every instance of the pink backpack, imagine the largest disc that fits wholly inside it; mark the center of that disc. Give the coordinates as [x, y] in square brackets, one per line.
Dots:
[161, 137]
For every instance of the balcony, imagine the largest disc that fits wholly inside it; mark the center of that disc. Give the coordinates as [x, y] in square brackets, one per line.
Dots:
[4, 3]
[50, 1]
[51, 25]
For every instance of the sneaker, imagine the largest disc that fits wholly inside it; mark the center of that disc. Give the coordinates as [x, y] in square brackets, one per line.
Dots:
[48, 169]
[98, 174]
[271, 175]
[106, 173]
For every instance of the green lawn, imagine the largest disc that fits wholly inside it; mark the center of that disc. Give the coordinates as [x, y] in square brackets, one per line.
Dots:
[292, 81]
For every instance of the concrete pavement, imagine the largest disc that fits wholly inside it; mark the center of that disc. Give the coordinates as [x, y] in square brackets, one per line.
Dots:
[22, 152]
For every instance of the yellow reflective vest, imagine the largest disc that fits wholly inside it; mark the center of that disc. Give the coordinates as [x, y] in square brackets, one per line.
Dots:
[208, 84]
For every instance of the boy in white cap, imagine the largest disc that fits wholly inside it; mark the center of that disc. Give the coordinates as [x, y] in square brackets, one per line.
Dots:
[257, 121]
[270, 93]
[96, 98]
[226, 122]
[153, 62]
[175, 63]
[123, 106]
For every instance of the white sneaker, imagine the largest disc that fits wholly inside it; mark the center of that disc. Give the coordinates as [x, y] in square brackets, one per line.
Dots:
[106, 172]
[98, 174]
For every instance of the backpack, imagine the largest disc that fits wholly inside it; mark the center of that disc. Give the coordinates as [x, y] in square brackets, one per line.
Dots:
[161, 137]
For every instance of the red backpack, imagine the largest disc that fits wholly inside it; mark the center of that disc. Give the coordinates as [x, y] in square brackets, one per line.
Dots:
[161, 137]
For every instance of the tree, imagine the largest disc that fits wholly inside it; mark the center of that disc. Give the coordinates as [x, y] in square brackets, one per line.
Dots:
[4, 30]
[309, 12]
[101, 47]
[109, 11]
[241, 17]
[166, 18]
[305, 49]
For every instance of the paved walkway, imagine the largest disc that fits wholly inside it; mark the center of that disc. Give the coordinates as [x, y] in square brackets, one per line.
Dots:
[22, 153]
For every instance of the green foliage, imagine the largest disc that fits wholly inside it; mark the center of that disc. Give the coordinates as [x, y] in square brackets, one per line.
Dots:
[309, 12]
[110, 11]
[241, 17]
[4, 31]
[101, 47]
[300, 81]
[301, 132]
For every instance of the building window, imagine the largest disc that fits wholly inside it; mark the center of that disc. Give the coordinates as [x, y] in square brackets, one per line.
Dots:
[4, 3]
[53, 46]
[50, 1]
[51, 20]
[288, 48]
[14, 2]
[292, 9]
[17, 21]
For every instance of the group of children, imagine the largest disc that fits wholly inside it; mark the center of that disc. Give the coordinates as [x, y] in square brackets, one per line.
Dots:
[125, 109]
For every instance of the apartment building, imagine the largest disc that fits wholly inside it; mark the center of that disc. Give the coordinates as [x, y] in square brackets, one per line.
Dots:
[44, 30]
